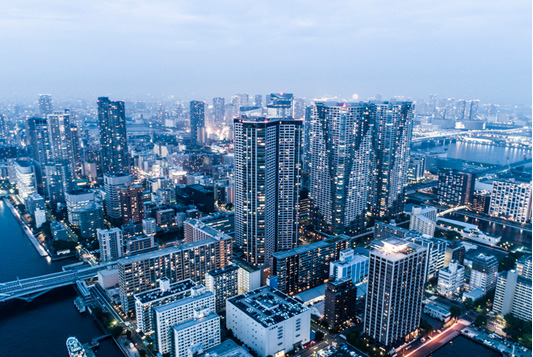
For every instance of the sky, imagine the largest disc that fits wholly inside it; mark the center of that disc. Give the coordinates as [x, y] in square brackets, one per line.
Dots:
[131, 49]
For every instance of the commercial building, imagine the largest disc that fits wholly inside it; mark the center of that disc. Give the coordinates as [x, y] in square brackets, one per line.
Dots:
[451, 280]
[396, 280]
[484, 273]
[112, 184]
[307, 266]
[359, 159]
[340, 302]
[224, 284]
[268, 322]
[77, 200]
[350, 265]
[511, 200]
[189, 307]
[91, 219]
[140, 272]
[267, 184]
[111, 243]
[455, 188]
[513, 291]
[113, 138]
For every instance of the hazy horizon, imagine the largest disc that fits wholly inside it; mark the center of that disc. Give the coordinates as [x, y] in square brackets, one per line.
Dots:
[199, 50]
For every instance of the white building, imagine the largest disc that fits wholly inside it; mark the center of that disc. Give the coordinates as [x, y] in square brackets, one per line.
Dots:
[111, 243]
[196, 335]
[451, 280]
[149, 226]
[166, 293]
[436, 252]
[200, 303]
[511, 200]
[76, 201]
[350, 265]
[248, 277]
[196, 230]
[392, 314]
[112, 184]
[423, 220]
[267, 321]
[25, 178]
[484, 273]
[513, 292]
[437, 311]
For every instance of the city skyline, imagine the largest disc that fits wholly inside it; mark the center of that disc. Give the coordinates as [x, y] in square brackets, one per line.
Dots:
[478, 50]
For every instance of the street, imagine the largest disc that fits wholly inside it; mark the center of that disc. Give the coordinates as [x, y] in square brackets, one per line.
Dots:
[435, 342]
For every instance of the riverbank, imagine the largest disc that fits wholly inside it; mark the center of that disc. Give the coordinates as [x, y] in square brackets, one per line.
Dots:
[40, 249]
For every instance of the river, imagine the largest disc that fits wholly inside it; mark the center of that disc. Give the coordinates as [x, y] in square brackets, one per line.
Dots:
[487, 154]
[41, 327]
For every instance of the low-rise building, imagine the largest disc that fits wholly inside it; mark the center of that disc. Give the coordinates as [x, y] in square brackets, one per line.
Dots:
[437, 311]
[350, 265]
[451, 280]
[196, 335]
[268, 321]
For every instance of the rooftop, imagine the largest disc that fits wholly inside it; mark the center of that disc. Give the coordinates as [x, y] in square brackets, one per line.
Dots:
[190, 323]
[188, 297]
[224, 270]
[227, 348]
[267, 306]
[196, 223]
[306, 248]
[182, 287]
[396, 249]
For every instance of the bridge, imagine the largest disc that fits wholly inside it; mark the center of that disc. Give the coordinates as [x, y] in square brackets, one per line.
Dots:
[30, 288]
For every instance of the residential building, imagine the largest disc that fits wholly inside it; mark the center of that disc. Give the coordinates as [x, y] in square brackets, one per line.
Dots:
[140, 272]
[113, 138]
[59, 231]
[249, 277]
[340, 302]
[451, 280]
[58, 180]
[187, 308]
[268, 322]
[61, 139]
[131, 203]
[456, 251]
[39, 140]
[267, 184]
[455, 188]
[197, 113]
[112, 184]
[219, 110]
[436, 252]
[423, 220]
[195, 230]
[192, 337]
[223, 283]
[396, 280]
[111, 243]
[137, 243]
[25, 177]
[511, 200]
[91, 219]
[227, 348]
[149, 226]
[307, 266]
[45, 104]
[513, 293]
[484, 273]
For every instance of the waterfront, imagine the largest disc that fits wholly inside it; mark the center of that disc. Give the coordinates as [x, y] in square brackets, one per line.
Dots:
[481, 153]
[463, 346]
[42, 326]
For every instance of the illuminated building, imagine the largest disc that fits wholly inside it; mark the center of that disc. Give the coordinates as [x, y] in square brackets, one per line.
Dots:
[267, 185]
[111, 243]
[396, 280]
[113, 138]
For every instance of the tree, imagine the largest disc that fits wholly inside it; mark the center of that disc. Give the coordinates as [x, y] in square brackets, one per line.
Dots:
[319, 336]
[426, 326]
[455, 311]
[468, 304]
[481, 320]
[117, 331]
[142, 353]
[128, 333]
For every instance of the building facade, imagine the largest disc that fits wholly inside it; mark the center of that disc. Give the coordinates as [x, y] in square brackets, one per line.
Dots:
[224, 284]
[455, 188]
[111, 243]
[340, 302]
[451, 280]
[396, 280]
[350, 265]
[267, 183]
[113, 138]
[484, 273]
[511, 200]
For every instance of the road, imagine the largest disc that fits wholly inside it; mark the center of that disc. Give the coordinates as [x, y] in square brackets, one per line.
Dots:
[435, 343]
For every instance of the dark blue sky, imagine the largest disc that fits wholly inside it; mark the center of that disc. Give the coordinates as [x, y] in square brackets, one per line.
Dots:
[198, 49]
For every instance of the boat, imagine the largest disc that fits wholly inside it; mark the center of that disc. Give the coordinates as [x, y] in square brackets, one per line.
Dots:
[468, 231]
[75, 348]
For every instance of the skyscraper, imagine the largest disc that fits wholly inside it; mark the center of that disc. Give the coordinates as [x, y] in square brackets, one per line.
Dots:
[58, 180]
[267, 183]
[392, 141]
[395, 290]
[113, 139]
[131, 203]
[219, 109]
[39, 140]
[197, 111]
[112, 184]
[359, 158]
[61, 138]
[45, 104]
[341, 165]
[111, 243]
